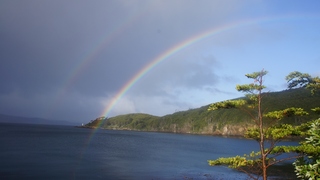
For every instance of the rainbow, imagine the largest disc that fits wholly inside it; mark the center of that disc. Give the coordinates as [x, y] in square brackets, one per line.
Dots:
[183, 45]
[172, 51]
[188, 42]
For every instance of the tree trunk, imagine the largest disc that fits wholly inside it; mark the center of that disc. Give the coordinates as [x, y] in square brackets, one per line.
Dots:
[264, 166]
[261, 143]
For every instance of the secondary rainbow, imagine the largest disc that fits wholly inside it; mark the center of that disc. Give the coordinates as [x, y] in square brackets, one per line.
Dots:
[173, 50]
[89, 56]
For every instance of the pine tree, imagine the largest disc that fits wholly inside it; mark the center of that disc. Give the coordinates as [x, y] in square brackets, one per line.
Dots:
[268, 131]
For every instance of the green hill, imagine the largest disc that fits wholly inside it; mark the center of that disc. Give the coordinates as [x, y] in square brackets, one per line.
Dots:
[219, 122]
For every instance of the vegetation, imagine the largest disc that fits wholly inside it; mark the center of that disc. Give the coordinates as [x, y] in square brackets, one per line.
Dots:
[230, 121]
[308, 165]
[139, 121]
[280, 115]
[298, 79]
[267, 134]
[96, 123]
[268, 131]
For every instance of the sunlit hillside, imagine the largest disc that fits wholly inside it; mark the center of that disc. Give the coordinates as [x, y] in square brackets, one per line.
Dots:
[220, 122]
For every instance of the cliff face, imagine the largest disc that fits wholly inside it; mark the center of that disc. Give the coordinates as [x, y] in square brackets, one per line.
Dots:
[234, 130]
[211, 129]
[214, 129]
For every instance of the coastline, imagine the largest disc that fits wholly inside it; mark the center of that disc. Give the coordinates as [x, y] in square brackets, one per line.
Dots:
[291, 138]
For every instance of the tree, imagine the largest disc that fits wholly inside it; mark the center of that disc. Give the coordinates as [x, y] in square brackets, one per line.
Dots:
[308, 166]
[97, 122]
[298, 79]
[268, 130]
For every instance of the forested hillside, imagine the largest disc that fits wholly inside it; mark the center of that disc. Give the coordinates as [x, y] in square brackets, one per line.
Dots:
[219, 122]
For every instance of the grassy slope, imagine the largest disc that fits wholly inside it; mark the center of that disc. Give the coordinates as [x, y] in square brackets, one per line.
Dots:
[210, 122]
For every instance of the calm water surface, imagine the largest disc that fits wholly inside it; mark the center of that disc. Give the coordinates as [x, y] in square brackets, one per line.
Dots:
[65, 152]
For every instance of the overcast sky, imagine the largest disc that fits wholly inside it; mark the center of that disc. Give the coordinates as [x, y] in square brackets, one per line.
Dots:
[69, 59]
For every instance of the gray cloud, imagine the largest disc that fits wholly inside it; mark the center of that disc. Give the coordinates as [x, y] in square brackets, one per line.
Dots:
[67, 59]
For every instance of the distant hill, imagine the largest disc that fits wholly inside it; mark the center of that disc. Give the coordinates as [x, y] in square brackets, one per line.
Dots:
[219, 122]
[27, 120]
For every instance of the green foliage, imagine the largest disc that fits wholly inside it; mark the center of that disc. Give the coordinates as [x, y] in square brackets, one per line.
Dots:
[252, 100]
[284, 149]
[288, 112]
[232, 162]
[249, 87]
[316, 110]
[249, 164]
[255, 91]
[298, 79]
[308, 161]
[227, 104]
[270, 131]
[201, 121]
[96, 123]
[257, 75]
[279, 132]
[300, 97]
[306, 170]
[314, 134]
[252, 133]
[256, 86]
[314, 85]
[136, 121]
[308, 166]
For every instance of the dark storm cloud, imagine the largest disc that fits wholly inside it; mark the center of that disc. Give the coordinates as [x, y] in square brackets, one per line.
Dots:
[43, 45]
[45, 42]
[69, 59]
[58, 52]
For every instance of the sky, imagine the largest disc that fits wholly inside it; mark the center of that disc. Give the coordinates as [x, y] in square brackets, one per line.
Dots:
[77, 60]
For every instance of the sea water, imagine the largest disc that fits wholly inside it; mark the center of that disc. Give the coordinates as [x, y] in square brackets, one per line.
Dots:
[66, 152]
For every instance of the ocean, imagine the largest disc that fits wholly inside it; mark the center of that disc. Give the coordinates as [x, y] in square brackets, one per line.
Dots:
[66, 152]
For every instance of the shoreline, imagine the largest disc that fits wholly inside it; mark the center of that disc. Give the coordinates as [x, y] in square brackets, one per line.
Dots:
[292, 138]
